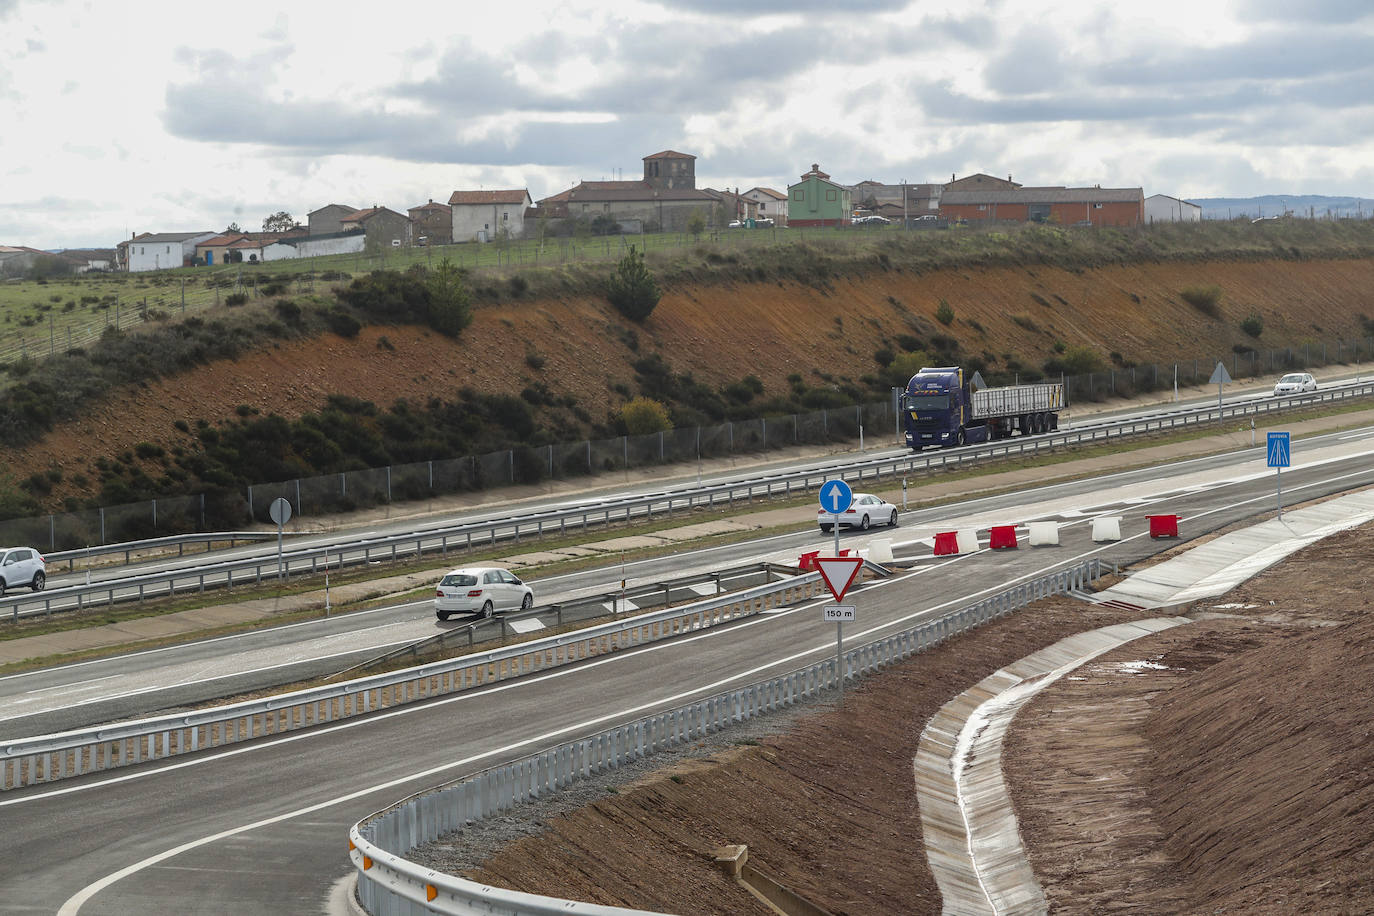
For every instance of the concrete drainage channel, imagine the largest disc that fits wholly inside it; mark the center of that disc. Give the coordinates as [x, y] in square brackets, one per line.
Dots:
[971, 836]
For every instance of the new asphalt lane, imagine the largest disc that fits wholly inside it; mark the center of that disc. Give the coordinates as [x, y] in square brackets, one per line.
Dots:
[261, 827]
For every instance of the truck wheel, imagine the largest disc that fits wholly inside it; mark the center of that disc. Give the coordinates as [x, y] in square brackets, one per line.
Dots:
[1025, 423]
[959, 438]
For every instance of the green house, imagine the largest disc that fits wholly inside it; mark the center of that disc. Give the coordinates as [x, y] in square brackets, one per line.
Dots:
[818, 201]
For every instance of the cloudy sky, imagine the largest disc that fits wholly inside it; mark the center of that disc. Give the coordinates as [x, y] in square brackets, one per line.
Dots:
[120, 117]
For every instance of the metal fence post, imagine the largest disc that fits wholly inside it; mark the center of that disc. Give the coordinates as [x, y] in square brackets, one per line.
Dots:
[388, 483]
[154, 515]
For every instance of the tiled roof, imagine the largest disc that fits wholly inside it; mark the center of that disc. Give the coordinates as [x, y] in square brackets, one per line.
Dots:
[224, 238]
[170, 236]
[329, 206]
[432, 206]
[516, 196]
[597, 191]
[776, 195]
[1043, 196]
[670, 154]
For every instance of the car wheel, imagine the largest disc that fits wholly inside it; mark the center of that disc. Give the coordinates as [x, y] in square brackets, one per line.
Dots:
[39, 580]
[527, 602]
[863, 523]
[825, 529]
[487, 610]
[2, 588]
[442, 615]
[892, 519]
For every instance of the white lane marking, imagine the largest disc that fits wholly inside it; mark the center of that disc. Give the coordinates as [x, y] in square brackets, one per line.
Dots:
[73, 905]
[94, 680]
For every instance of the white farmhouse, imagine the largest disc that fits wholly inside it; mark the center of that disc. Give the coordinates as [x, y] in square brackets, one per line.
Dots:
[1161, 208]
[481, 215]
[161, 250]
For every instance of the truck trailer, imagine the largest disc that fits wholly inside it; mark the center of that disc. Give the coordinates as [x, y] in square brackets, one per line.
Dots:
[941, 409]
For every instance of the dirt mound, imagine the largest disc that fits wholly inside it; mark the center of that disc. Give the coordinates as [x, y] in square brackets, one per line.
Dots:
[582, 348]
[1222, 767]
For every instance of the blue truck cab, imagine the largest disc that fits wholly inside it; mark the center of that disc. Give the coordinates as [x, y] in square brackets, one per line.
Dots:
[936, 406]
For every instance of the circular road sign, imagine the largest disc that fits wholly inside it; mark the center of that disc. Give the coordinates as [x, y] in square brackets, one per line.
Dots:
[835, 496]
[280, 511]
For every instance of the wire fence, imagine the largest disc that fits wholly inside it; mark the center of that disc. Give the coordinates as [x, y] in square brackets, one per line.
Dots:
[352, 490]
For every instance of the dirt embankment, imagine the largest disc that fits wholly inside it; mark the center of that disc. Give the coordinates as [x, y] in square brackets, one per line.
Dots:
[722, 333]
[1225, 766]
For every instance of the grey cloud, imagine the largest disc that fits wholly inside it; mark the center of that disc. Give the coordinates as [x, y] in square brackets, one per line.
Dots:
[941, 102]
[1290, 55]
[34, 46]
[1332, 11]
[1027, 65]
[756, 8]
[7, 7]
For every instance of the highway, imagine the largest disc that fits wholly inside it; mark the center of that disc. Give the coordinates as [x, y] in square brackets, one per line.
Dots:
[261, 827]
[142, 683]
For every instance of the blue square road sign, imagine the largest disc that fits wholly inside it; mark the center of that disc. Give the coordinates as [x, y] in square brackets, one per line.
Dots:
[1279, 450]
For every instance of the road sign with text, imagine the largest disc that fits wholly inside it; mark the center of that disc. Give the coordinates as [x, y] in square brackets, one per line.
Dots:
[839, 613]
[1280, 452]
[839, 573]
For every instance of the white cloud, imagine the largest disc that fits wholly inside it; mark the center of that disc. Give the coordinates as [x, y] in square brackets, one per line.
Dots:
[116, 122]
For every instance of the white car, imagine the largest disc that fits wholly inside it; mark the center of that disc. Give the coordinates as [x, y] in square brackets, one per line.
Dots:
[1295, 383]
[866, 511]
[480, 590]
[22, 566]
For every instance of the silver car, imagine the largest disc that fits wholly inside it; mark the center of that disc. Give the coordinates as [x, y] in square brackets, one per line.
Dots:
[22, 566]
[480, 590]
[1295, 383]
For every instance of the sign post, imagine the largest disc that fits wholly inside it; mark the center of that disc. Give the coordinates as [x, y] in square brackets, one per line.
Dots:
[1280, 456]
[839, 573]
[280, 511]
[836, 497]
[1219, 377]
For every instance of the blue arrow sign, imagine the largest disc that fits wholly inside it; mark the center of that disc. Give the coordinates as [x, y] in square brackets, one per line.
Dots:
[1279, 450]
[836, 496]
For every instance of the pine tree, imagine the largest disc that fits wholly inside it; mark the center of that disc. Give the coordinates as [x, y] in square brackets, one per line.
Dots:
[631, 289]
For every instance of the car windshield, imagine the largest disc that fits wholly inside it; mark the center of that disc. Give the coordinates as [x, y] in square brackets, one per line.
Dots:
[1293, 379]
[459, 579]
[934, 400]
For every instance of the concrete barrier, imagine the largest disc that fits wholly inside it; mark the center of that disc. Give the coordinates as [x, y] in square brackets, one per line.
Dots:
[1107, 528]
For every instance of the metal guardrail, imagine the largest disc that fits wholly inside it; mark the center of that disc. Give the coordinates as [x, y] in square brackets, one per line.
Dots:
[29, 761]
[179, 541]
[390, 885]
[615, 603]
[490, 532]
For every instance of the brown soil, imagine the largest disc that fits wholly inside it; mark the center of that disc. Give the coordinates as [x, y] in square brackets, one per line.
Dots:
[721, 333]
[1237, 777]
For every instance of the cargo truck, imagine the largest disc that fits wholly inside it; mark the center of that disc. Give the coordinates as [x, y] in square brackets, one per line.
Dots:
[941, 409]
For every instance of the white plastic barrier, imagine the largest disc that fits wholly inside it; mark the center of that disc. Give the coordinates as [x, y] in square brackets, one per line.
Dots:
[1042, 534]
[1107, 528]
[880, 550]
[967, 539]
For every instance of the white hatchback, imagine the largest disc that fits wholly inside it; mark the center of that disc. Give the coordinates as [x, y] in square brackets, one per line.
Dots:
[867, 510]
[22, 566]
[1295, 383]
[480, 590]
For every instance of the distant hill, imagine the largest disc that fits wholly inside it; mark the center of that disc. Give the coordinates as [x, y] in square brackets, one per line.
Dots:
[1304, 205]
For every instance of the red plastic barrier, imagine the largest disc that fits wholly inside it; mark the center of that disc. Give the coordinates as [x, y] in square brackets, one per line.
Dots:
[1002, 536]
[946, 542]
[1163, 526]
[807, 561]
[845, 552]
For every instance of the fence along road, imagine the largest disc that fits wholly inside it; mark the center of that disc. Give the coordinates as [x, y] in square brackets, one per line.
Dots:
[536, 524]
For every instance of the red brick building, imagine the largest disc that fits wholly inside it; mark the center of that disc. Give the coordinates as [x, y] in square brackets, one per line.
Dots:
[1063, 206]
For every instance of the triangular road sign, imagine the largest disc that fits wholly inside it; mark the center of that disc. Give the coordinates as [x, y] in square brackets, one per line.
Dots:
[1219, 375]
[839, 573]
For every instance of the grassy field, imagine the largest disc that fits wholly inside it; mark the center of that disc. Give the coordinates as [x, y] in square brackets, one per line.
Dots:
[38, 318]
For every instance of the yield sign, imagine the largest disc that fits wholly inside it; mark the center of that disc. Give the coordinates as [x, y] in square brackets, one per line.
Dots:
[839, 573]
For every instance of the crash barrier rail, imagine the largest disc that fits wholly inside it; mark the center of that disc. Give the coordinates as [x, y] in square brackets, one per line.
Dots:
[630, 600]
[160, 546]
[490, 532]
[29, 761]
[390, 885]
[426, 479]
